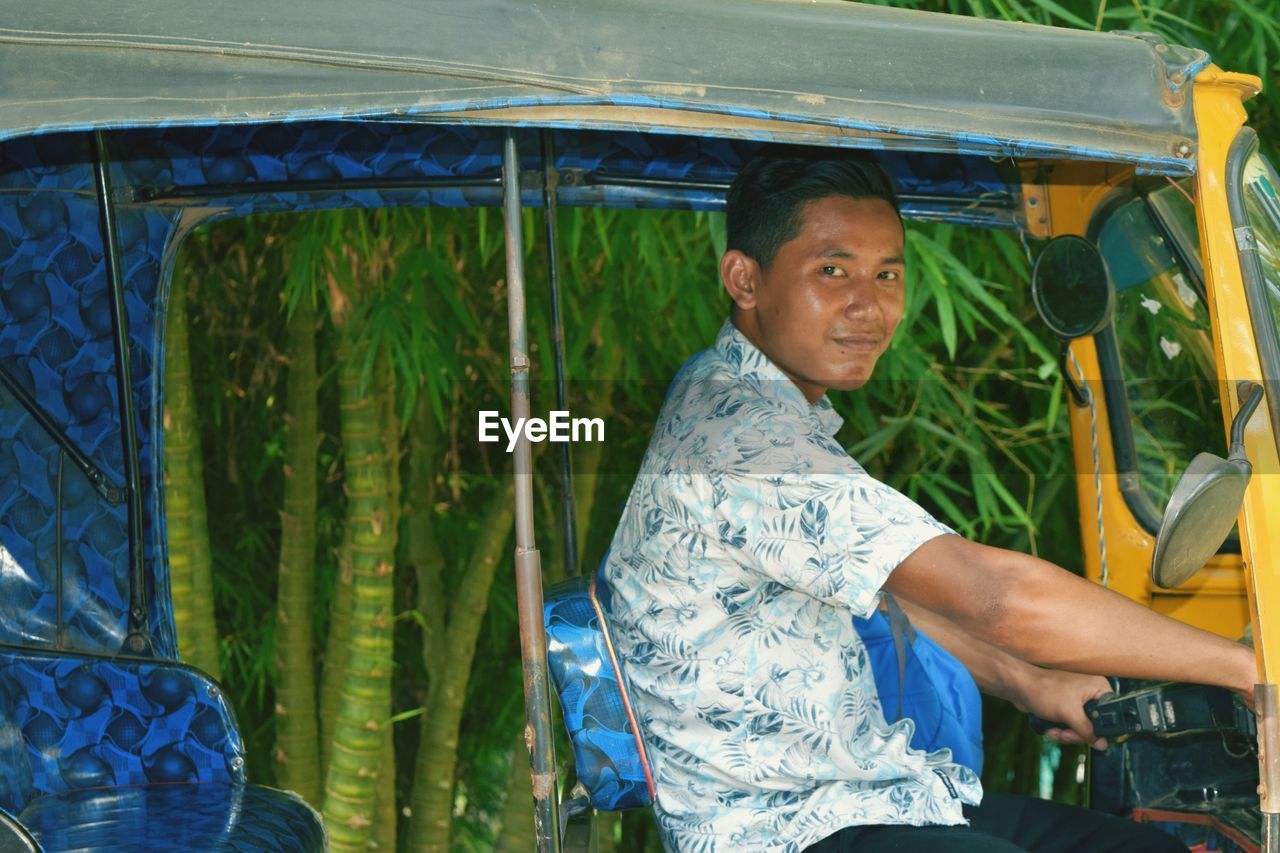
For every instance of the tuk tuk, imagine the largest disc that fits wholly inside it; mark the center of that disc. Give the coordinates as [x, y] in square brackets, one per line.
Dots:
[124, 128]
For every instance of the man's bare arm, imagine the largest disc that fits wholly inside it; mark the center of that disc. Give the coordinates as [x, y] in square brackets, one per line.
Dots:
[996, 671]
[1050, 694]
[1041, 613]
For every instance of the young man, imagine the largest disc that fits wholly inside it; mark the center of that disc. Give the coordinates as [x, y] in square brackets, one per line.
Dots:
[750, 538]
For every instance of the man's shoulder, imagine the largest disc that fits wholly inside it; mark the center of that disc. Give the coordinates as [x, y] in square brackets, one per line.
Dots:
[710, 409]
[710, 382]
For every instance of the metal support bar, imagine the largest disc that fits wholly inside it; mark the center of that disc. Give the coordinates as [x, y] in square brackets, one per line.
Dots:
[138, 639]
[1001, 201]
[550, 180]
[101, 483]
[188, 195]
[533, 639]
[1267, 701]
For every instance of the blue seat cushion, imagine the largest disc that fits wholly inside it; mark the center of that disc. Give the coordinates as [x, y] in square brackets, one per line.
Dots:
[172, 817]
[590, 683]
[72, 721]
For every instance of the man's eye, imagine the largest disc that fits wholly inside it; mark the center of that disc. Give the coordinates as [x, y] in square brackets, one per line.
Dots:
[831, 269]
[890, 275]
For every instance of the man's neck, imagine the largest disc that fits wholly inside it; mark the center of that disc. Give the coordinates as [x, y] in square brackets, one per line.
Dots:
[748, 326]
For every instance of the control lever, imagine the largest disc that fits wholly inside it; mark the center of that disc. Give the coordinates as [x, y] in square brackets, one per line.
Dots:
[1162, 709]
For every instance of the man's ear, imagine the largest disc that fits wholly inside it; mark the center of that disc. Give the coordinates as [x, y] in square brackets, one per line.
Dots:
[740, 275]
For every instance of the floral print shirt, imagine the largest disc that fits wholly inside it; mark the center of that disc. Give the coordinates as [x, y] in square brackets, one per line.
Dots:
[749, 540]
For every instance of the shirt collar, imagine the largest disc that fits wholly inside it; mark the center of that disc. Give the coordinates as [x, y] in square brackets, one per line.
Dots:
[751, 364]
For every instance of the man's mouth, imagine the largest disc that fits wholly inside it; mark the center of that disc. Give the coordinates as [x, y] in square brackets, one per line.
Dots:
[858, 343]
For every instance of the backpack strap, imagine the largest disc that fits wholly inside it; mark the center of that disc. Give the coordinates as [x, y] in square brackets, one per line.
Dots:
[903, 635]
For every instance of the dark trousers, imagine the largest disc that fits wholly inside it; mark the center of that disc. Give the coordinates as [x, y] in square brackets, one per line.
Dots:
[1007, 824]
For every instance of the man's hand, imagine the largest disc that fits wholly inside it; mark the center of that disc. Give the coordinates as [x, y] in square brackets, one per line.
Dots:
[1060, 696]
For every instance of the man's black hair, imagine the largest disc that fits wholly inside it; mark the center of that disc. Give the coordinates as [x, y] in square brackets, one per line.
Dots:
[767, 196]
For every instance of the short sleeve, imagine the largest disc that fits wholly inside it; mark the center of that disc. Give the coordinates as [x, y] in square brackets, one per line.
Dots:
[834, 535]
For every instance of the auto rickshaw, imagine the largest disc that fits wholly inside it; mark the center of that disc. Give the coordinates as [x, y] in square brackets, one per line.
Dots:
[123, 128]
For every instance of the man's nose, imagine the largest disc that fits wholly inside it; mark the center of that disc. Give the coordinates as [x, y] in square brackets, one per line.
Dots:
[862, 299]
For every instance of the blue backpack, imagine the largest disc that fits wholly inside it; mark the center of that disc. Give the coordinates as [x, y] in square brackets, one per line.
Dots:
[940, 696]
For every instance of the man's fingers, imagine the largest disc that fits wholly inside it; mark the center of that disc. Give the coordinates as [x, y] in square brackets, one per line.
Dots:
[1064, 736]
[1067, 737]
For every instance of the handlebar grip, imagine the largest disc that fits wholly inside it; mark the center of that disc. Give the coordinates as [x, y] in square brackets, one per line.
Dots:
[1041, 726]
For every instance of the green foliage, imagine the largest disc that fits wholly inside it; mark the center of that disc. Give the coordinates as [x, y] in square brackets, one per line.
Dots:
[1240, 35]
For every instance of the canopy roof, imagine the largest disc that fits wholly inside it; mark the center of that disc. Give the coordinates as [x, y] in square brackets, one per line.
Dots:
[826, 72]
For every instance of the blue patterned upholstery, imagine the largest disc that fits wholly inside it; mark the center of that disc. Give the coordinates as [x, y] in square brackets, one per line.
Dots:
[228, 818]
[107, 754]
[607, 751]
[70, 722]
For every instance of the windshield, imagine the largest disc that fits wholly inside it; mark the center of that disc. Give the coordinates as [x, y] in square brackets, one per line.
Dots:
[1263, 210]
[1162, 338]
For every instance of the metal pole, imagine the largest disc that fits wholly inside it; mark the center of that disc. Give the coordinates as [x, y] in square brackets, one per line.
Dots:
[138, 639]
[1267, 701]
[533, 639]
[550, 181]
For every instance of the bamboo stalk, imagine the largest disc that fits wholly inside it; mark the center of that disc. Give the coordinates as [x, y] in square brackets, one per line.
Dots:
[365, 695]
[384, 825]
[186, 518]
[297, 754]
[438, 755]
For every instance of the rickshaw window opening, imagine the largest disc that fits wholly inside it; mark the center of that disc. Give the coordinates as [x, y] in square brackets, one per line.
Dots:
[1127, 459]
[138, 638]
[113, 495]
[1262, 296]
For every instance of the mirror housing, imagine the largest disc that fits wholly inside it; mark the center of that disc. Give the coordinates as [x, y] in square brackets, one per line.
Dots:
[1205, 503]
[1071, 288]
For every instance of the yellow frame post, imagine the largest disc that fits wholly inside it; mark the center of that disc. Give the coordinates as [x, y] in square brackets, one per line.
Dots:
[1219, 110]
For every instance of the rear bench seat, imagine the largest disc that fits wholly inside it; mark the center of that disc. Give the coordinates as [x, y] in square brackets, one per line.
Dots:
[121, 754]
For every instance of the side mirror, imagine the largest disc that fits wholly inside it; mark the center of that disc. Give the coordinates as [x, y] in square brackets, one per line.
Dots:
[1071, 288]
[1073, 295]
[1204, 504]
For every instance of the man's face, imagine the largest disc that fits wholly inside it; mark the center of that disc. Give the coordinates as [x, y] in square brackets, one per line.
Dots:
[826, 307]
